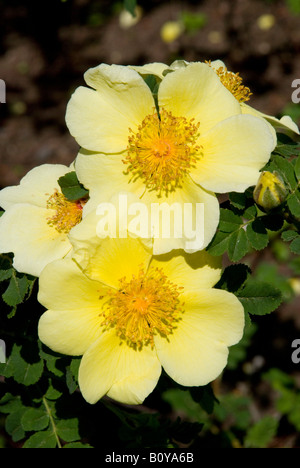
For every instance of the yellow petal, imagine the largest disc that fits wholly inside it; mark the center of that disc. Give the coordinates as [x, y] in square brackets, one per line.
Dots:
[69, 332]
[25, 232]
[187, 217]
[196, 92]
[284, 125]
[99, 119]
[36, 186]
[233, 152]
[62, 285]
[103, 175]
[196, 353]
[124, 374]
[112, 259]
[190, 271]
[72, 322]
[156, 68]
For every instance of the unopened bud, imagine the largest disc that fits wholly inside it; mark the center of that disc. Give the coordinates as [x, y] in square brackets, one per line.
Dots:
[270, 190]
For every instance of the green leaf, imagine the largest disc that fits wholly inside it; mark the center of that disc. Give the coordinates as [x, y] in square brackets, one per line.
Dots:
[5, 267]
[70, 381]
[261, 433]
[233, 277]
[68, 430]
[229, 221]
[219, 243]
[10, 403]
[193, 21]
[295, 246]
[273, 221]
[5, 274]
[231, 236]
[205, 397]
[71, 187]
[237, 245]
[52, 361]
[13, 425]
[72, 374]
[152, 82]
[297, 168]
[238, 352]
[238, 200]
[43, 439]
[236, 408]
[270, 273]
[181, 400]
[259, 298]
[17, 289]
[52, 392]
[77, 445]
[286, 147]
[35, 419]
[130, 5]
[26, 373]
[257, 234]
[285, 169]
[289, 235]
[293, 203]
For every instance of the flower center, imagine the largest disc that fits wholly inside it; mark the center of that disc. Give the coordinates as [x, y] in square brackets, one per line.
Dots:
[163, 150]
[68, 213]
[147, 304]
[233, 82]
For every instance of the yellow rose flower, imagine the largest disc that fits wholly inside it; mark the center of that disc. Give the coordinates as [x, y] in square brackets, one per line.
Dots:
[197, 143]
[129, 314]
[37, 219]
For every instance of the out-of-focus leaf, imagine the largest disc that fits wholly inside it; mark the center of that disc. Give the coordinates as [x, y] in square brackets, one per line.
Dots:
[261, 433]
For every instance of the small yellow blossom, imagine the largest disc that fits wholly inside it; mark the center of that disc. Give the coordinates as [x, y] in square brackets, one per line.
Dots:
[266, 22]
[295, 285]
[170, 31]
[37, 219]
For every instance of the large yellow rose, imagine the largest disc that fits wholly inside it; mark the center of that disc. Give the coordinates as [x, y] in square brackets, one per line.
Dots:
[184, 147]
[130, 314]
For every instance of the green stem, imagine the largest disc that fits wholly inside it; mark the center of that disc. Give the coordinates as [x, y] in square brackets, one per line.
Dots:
[52, 422]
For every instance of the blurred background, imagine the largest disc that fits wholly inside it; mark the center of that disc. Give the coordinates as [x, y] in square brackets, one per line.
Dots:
[45, 47]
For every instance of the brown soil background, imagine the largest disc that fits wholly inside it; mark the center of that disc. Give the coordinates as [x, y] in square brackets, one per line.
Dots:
[45, 47]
